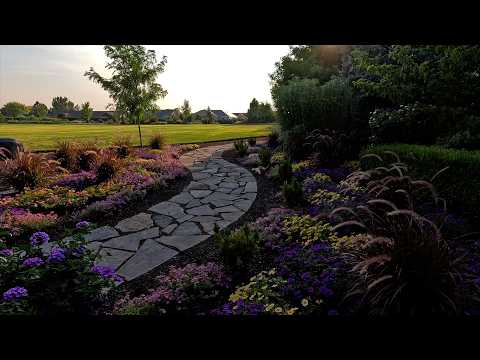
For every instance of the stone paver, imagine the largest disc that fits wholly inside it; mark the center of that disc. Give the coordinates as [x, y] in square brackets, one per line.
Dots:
[148, 257]
[112, 257]
[135, 223]
[183, 242]
[219, 194]
[101, 233]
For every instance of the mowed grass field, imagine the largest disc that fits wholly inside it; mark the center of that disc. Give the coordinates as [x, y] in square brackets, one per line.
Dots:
[45, 136]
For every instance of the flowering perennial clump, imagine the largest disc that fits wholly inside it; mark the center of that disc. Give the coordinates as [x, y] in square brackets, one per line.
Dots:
[39, 238]
[57, 255]
[14, 293]
[33, 262]
[182, 289]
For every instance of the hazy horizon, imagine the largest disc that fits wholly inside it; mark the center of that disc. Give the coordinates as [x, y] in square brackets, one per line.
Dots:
[224, 77]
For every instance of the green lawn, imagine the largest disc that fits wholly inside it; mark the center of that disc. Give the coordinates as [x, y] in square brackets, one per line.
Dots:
[45, 136]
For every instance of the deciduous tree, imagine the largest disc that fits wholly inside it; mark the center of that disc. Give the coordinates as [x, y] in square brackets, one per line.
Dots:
[133, 85]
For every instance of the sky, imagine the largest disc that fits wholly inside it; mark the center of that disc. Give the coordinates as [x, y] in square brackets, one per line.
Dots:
[225, 77]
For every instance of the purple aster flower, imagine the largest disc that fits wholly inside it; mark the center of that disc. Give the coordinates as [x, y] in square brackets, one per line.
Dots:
[325, 291]
[57, 255]
[39, 238]
[82, 225]
[33, 262]
[16, 292]
[106, 273]
[6, 252]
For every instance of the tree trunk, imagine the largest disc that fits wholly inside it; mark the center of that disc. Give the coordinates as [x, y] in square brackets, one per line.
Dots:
[139, 131]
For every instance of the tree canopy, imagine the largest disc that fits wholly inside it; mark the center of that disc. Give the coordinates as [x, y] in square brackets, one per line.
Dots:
[86, 111]
[39, 110]
[186, 111]
[133, 86]
[260, 112]
[62, 104]
[14, 109]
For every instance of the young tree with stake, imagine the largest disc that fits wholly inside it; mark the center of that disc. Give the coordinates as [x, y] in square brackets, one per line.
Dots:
[133, 85]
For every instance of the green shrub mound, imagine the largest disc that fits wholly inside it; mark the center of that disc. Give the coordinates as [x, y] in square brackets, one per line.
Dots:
[459, 184]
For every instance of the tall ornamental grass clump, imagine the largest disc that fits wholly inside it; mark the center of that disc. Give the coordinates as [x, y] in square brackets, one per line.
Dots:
[25, 170]
[406, 266]
[158, 141]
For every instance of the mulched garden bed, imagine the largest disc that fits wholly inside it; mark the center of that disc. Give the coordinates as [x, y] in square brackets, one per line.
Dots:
[267, 198]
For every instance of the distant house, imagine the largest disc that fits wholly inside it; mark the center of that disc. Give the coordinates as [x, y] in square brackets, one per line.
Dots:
[164, 115]
[241, 116]
[220, 116]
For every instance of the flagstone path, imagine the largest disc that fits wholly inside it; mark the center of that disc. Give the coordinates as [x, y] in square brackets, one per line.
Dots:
[220, 193]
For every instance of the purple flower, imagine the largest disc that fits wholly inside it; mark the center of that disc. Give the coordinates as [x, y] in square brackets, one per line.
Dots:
[6, 252]
[82, 225]
[39, 238]
[325, 291]
[32, 262]
[332, 312]
[16, 292]
[106, 273]
[57, 255]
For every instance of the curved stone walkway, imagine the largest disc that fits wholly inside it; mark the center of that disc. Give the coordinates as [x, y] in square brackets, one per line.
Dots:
[219, 194]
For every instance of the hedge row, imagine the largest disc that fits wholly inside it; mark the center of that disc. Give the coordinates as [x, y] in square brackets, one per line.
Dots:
[459, 184]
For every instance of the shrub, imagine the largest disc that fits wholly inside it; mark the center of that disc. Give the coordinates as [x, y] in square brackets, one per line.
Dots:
[241, 147]
[293, 141]
[237, 247]
[187, 289]
[158, 141]
[468, 139]
[311, 105]
[417, 123]
[459, 184]
[107, 165]
[64, 281]
[25, 170]
[329, 148]
[285, 171]
[292, 193]
[67, 155]
[265, 155]
[273, 139]
[252, 141]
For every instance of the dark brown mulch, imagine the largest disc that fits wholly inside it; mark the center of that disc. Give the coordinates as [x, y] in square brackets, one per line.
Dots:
[267, 198]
